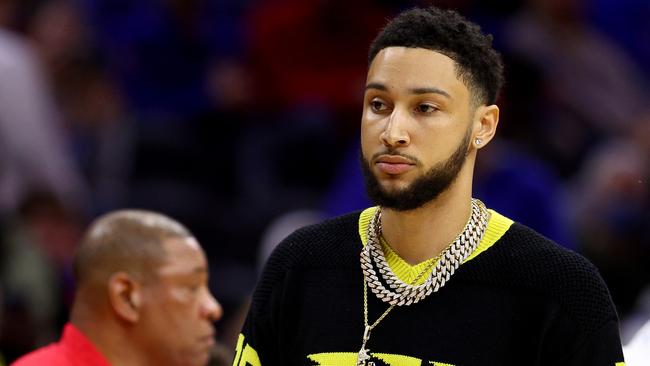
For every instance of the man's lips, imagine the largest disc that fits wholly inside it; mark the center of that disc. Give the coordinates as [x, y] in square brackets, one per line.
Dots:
[393, 164]
[207, 340]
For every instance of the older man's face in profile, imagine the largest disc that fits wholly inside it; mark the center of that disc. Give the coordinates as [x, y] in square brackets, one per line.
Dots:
[178, 307]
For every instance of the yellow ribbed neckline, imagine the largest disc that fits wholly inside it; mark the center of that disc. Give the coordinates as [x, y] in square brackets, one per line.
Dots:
[497, 226]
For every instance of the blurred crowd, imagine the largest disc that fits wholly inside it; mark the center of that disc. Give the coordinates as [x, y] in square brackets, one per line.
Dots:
[240, 119]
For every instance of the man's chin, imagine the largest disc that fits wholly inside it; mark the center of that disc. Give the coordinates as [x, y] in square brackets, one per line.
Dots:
[200, 359]
[401, 198]
[392, 185]
[199, 355]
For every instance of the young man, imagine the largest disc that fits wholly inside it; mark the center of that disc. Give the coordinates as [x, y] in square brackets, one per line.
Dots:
[142, 297]
[429, 276]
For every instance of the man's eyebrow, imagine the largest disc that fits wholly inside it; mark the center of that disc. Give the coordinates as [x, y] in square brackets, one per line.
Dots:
[200, 270]
[185, 271]
[430, 90]
[377, 86]
[427, 90]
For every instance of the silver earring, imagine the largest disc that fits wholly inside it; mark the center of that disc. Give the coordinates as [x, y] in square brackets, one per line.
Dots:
[477, 141]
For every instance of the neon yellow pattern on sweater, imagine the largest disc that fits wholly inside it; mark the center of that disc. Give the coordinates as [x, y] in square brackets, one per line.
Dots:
[497, 227]
[350, 359]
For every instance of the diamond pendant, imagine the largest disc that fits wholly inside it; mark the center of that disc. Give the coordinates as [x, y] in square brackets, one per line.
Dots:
[364, 354]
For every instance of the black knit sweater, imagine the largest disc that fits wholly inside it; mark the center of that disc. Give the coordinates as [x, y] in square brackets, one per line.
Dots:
[524, 301]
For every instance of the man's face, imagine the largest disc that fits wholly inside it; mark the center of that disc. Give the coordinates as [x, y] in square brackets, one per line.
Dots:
[415, 128]
[178, 308]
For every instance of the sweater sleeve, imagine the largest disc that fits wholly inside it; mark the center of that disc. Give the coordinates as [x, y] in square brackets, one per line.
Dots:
[587, 331]
[268, 335]
[602, 348]
[254, 344]
[582, 324]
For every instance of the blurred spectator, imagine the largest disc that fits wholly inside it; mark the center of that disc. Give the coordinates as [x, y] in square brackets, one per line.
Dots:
[637, 317]
[611, 199]
[588, 86]
[312, 52]
[97, 125]
[59, 35]
[33, 154]
[101, 132]
[38, 243]
[637, 351]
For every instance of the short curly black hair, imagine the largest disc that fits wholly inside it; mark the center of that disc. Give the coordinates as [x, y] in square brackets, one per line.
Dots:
[478, 65]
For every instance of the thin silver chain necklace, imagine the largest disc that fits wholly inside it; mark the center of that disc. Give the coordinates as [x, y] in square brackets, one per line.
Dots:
[401, 293]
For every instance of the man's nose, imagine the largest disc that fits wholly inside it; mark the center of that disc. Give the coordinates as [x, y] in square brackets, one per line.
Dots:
[396, 134]
[211, 308]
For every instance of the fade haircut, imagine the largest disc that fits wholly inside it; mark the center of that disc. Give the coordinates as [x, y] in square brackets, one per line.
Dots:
[126, 240]
[478, 65]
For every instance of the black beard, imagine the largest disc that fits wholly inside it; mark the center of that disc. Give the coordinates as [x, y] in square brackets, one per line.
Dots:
[424, 189]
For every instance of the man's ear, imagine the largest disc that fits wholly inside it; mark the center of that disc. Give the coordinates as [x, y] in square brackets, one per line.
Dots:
[485, 125]
[124, 294]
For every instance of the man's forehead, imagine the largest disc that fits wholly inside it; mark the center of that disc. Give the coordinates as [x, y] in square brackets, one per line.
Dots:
[417, 57]
[183, 255]
[181, 244]
[415, 69]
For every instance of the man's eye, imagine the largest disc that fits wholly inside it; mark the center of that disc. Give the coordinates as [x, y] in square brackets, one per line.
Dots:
[377, 106]
[426, 108]
[194, 288]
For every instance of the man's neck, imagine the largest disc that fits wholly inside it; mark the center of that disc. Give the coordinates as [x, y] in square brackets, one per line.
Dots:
[420, 234]
[109, 338]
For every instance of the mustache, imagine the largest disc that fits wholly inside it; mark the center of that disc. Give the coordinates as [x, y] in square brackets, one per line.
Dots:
[394, 152]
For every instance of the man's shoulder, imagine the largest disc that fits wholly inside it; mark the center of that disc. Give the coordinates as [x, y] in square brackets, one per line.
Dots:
[333, 243]
[526, 260]
[48, 355]
[527, 250]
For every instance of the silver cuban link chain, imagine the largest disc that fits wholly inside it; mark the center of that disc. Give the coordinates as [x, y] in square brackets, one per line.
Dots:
[399, 293]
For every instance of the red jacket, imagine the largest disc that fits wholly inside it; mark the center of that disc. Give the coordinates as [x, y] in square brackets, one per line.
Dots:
[73, 349]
